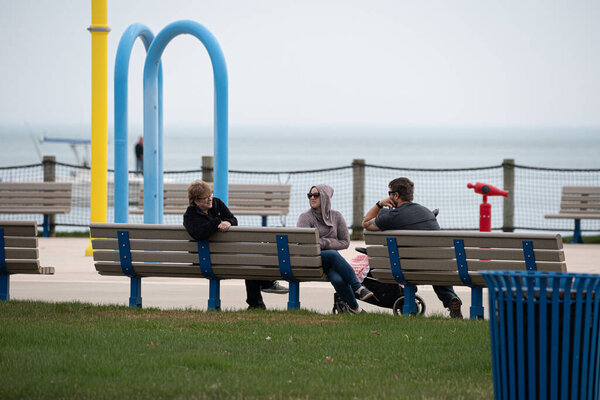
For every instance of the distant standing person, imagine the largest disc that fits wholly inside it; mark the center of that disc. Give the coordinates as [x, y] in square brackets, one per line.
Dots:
[139, 155]
[398, 212]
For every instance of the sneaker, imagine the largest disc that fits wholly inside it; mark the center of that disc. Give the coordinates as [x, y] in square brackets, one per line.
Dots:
[363, 293]
[454, 308]
[359, 311]
[276, 288]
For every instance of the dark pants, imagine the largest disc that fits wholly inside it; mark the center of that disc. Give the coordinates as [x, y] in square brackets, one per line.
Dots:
[253, 295]
[445, 294]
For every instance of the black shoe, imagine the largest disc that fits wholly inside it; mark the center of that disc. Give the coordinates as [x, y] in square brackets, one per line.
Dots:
[454, 308]
[257, 307]
[276, 288]
[363, 293]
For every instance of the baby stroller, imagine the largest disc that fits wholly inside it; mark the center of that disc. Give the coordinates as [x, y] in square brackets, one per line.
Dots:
[388, 295]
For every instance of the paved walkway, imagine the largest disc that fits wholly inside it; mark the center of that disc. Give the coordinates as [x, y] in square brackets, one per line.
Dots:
[76, 280]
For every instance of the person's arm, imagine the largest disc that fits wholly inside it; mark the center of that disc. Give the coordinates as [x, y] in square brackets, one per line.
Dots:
[369, 221]
[342, 241]
[227, 217]
[200, 227]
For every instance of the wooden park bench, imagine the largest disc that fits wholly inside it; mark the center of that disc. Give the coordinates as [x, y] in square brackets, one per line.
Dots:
[579, 202]
[18, 253]
[244, 199]
[264, 253]
[45, 198]
[456, 257]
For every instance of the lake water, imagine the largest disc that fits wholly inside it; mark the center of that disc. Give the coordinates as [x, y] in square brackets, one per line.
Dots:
[282, 148]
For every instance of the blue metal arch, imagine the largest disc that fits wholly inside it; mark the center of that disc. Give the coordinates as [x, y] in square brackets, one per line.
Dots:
[121, 184]
[153, 173]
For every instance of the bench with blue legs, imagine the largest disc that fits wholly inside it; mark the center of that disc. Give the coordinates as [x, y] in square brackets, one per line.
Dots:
[262, 253]
[262, 200]
[577, 203]
[455, 257]
[45, 198]
[18, 253]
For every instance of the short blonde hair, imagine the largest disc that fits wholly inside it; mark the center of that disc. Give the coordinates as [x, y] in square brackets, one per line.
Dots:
[197, 190]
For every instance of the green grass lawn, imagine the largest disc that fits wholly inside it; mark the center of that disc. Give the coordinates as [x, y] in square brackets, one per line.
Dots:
[73, 350]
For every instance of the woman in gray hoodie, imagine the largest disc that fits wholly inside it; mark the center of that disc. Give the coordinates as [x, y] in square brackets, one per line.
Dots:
[333, 236]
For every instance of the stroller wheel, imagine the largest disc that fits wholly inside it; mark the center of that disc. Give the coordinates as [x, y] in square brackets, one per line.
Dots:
[399, 304]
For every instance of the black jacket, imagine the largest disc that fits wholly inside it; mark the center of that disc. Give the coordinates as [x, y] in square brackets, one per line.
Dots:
[201, 225]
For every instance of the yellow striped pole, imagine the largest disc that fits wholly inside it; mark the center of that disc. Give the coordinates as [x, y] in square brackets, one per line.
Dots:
[99, 30]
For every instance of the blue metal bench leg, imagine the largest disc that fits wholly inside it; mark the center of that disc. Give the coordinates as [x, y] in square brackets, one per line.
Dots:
[5, 287]
[294, 296]
[214, 294]
[410, 307]
[46, 225]
[476, 303]
[135, 296]
[264, 220]
[577, 232]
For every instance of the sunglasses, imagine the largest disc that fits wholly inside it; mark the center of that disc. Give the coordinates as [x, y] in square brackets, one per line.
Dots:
[309, 195]
[391, 193]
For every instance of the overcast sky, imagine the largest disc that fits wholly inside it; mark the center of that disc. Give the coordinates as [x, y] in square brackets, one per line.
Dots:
[399, 63]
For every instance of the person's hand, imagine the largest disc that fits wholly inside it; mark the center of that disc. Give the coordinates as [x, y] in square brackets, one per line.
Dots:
[224, 226]
[387, 202]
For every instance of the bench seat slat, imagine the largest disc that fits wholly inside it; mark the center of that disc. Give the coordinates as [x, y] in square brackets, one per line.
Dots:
[473, 265]
[424, 278]
[216, 258]
[224, 271]
[181, 245]
[178, 232]
[472, 252]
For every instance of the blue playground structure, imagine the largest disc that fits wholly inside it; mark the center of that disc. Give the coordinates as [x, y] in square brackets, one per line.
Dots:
[153, 132]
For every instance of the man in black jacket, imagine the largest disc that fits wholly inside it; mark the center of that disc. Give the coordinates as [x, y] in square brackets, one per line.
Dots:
[206, 215]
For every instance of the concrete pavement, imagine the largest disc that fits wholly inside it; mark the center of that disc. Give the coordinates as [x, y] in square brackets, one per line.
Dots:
[76, 279]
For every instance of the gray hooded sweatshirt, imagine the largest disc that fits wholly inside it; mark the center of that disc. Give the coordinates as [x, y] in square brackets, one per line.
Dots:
[333, 231]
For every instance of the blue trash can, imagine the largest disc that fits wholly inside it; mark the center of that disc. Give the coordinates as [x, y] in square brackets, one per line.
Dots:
[544, 334]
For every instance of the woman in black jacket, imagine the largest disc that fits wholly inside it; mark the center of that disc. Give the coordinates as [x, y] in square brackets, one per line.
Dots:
[206, 215]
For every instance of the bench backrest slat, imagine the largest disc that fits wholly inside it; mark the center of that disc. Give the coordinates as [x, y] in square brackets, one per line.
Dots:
[220, 247]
